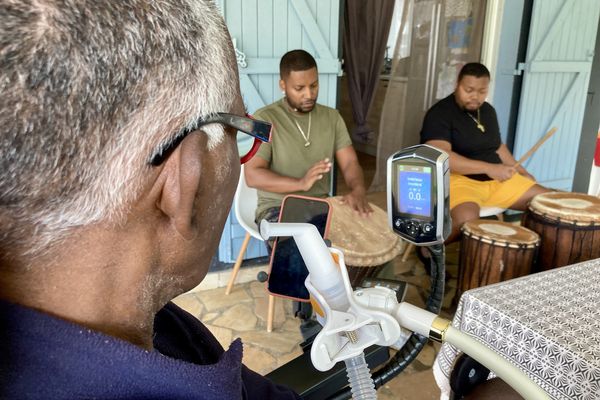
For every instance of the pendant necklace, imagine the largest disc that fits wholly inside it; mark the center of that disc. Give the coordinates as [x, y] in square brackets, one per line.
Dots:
[307, 135]
[477, 121]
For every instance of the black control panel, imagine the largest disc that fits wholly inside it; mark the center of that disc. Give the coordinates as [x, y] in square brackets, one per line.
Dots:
[419, 231]
[417, 194]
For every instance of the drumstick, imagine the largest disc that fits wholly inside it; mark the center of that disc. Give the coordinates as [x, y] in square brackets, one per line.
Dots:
[535, 147]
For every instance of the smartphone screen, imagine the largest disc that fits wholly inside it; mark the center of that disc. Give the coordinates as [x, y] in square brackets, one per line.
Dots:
[288, 271]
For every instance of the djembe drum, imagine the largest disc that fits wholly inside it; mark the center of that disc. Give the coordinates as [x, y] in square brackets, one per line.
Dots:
[568, 225]
[494, 251]
[367, 243]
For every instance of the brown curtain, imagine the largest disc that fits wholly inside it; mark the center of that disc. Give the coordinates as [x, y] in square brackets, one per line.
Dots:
[404, 106]
[366, 28]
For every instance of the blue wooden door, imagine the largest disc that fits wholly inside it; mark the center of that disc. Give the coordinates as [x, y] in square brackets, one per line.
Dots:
[262, 31]
[556, 75]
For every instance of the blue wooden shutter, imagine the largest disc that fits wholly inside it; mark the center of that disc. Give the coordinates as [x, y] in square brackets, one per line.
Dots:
[263, 30]
[556, 74]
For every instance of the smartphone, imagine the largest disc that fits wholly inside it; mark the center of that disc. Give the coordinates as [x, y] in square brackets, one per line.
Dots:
[288, 270]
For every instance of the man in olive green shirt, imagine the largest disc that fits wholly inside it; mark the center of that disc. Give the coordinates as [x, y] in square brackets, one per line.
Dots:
[306, 137]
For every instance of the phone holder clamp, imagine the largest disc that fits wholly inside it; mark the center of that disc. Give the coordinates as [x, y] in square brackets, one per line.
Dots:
[346, 333]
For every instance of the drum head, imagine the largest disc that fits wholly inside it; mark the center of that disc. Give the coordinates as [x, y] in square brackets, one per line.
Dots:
[365, 242]
[577, 208]
[502, 233]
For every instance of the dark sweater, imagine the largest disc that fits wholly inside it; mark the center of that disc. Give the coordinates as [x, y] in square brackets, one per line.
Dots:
[43, 357]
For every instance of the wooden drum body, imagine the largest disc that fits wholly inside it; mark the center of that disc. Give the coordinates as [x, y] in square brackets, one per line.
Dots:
[568, 225]
[494, 251]
[367, 243]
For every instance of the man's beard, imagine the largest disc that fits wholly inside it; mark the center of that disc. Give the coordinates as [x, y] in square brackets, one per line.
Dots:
[472, 108]
[299, 107]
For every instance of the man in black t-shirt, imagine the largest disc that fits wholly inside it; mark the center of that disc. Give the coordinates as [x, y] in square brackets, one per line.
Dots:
[482, 168]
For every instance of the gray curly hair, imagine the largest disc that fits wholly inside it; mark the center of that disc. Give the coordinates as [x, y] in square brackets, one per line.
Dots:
[88, 90]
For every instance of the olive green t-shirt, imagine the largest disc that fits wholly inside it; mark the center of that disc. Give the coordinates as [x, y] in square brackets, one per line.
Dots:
[287, 154]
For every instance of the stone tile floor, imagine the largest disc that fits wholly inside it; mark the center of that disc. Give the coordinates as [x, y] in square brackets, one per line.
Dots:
[243, 314]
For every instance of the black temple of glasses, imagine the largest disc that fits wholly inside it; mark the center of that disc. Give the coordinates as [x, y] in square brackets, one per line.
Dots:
[255, 128]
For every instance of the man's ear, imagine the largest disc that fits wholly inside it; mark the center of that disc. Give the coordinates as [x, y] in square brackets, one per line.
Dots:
[181, 182]
[282, 85]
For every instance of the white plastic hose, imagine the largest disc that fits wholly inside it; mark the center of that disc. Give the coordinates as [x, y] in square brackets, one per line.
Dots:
[494, 362]
[359, 377]
[420, 321]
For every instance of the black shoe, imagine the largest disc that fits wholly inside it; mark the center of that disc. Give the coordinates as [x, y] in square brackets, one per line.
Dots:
[425, 260]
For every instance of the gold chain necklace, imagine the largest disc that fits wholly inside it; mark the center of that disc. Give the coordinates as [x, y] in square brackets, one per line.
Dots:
[305, 136]
[477, 121]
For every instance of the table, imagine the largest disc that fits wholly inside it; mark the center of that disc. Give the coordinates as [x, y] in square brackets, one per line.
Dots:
[547, 324]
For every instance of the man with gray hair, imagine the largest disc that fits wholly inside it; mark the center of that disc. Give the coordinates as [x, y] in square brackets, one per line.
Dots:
[109, 205]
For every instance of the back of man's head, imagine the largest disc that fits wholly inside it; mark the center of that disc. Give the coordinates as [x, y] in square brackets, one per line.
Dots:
[295, 60]
[88, 90]
[475, 69]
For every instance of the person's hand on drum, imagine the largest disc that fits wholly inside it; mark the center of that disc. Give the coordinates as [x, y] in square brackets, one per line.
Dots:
[501, 172]
[357, 201]
[315, 173]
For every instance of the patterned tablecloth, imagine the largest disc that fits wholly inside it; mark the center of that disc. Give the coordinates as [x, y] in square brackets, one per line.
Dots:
[547, 324]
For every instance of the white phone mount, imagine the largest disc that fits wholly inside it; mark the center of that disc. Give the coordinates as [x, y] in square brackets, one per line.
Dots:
[348, 327]
[346, 334]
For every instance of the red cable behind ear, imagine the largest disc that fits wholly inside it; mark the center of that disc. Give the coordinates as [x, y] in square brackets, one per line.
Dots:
[252, 152]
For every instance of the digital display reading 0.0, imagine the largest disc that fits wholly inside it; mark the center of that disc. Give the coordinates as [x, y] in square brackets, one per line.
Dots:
[414, 183]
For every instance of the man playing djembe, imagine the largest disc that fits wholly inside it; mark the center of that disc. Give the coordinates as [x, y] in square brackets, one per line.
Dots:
[483, 171]
[306, 137]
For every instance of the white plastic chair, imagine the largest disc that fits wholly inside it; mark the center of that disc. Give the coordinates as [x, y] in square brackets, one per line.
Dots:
[245, 201]
[483, 212]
